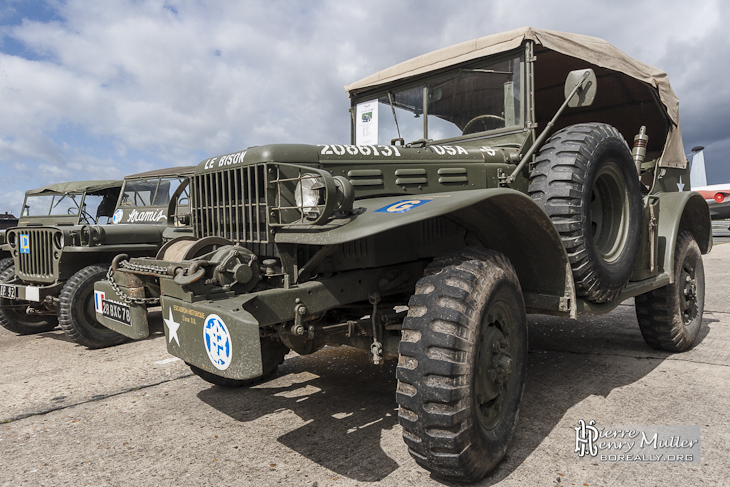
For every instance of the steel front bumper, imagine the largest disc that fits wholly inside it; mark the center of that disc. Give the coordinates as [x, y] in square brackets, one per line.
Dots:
[113, 312]
[217, 336]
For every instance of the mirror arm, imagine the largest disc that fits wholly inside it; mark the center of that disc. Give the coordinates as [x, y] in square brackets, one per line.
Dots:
[543, 135]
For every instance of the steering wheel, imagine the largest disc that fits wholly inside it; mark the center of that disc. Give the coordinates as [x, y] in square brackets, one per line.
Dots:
[86, 216]
[488, 122]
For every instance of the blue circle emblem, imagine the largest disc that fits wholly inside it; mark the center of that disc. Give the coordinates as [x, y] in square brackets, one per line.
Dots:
[117, 216]
[217, 341]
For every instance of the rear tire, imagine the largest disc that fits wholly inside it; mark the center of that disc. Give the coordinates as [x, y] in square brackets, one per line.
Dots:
[16, 319]
[670, 317]
[586, 181]
[76, 312]
[462, 364]
[272, 355]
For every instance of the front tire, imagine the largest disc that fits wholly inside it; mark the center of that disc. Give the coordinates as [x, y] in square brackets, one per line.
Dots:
[272, 355]
[76, 312]
[462, 364]
[16, 319]
[670, 317]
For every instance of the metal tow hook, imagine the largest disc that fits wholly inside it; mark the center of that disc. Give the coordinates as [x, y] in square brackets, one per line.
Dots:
[194, 273]
[115, 262]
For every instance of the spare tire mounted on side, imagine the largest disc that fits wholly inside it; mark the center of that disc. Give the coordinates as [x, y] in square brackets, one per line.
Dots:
[585, 180]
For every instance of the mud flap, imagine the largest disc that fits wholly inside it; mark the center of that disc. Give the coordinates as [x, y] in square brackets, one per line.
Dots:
[129, 320]
[219, 337]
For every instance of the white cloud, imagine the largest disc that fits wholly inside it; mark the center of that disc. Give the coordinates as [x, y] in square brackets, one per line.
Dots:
[120, 85]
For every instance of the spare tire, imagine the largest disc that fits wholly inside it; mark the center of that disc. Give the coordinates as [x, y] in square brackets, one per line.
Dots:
[585, 179]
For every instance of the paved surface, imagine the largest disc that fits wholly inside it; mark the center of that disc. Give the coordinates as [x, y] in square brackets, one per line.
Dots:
[132, 415]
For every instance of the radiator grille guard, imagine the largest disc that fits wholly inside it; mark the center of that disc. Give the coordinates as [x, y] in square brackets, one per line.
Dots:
[245, 204]
[35, 259]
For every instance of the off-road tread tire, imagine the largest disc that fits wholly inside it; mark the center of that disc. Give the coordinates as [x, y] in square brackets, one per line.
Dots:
[71, 303]
[436, 367]
[19, 322]
[272, 355]
[561, 183]
[5, 263]
[658, 311]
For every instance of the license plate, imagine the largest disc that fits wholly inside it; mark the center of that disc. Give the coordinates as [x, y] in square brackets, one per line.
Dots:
[8, 291]
[117, 312]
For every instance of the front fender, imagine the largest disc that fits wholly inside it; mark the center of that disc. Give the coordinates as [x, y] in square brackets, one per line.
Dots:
[500, 219]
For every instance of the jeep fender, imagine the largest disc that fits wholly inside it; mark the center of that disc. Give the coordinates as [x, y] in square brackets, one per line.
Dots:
[685, 210]
[500, 219]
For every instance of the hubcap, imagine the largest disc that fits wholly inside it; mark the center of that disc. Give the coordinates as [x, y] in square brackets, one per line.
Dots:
[609, 212]
[494, 364]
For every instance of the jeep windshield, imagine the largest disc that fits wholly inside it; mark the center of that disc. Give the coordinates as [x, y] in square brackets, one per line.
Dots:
[150, 192]
[477, 98]
[68, 204]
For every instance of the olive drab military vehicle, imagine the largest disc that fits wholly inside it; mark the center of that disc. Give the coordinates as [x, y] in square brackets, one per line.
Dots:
[67, 236]
[482, 182]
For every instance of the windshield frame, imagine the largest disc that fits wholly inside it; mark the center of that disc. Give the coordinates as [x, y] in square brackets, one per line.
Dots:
[56, 198]
[438, 77]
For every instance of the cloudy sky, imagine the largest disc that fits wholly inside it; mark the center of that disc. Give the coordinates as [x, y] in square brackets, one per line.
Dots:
[97, 90]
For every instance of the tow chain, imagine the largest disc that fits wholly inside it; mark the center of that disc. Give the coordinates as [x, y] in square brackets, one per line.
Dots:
[162, 271]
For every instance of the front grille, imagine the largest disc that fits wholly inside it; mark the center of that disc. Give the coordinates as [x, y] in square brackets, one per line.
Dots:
[232, 204]
[35, 260]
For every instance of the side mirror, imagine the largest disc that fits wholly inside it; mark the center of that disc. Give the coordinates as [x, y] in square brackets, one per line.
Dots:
[585, 82]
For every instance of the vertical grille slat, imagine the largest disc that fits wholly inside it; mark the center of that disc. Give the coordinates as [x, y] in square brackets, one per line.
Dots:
[232, 204]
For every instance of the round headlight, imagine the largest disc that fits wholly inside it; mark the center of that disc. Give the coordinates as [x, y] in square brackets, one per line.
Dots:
[58, 240]
[12, 239]
[309, 193]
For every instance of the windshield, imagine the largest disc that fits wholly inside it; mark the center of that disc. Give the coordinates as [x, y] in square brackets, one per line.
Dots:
[149, 192]
[53, 205]
[479, 98]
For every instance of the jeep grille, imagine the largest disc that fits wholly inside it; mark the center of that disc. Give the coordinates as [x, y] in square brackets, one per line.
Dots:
[37, 265]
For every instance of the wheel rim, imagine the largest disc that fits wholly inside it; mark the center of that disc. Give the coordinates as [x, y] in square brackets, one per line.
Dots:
[609, 212]
[494, 366]
[688, 297]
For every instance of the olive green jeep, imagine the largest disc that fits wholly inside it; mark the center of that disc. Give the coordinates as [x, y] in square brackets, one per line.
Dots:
[66, 237]
[482, 182]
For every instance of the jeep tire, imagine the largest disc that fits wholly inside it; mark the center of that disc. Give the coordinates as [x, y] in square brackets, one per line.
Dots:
[272, 355]
[16, 319]
[462, 363]
[76, 312]
[5, 263]
[585, 179]
[670, 317]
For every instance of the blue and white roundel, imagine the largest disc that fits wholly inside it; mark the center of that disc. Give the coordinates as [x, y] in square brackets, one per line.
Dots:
[217, 342]
[117, 218]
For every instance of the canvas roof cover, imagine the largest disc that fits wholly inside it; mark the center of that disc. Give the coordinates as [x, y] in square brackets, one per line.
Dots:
[591, 49]
[77, 187]
[178, 171]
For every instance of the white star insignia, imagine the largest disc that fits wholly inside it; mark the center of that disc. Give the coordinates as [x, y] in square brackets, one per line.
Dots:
[172, 327]
[680, 184]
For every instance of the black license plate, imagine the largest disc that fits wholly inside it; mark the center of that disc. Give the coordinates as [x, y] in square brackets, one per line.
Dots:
[8, 291]
[116, 312]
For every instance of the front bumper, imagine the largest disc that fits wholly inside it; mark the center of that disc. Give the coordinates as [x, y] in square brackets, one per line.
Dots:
[217, 336]
[113, 312]
[17, 291]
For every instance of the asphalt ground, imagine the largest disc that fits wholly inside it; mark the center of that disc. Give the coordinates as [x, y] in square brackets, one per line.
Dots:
[134, 415]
